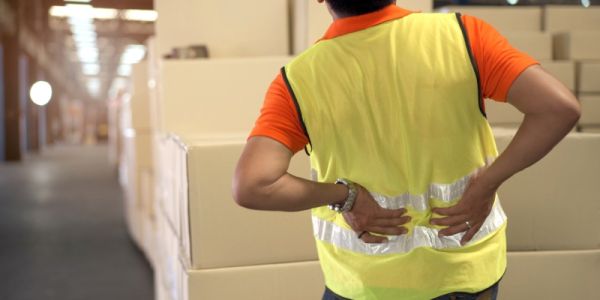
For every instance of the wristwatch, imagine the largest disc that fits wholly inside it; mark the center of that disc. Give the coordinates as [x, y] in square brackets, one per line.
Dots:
[349, 202]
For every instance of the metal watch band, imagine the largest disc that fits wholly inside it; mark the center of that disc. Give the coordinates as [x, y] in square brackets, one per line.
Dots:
[349, 202]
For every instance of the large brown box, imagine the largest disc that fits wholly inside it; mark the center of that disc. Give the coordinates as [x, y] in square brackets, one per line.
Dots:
[554, 205]
[227, 28]
[139, 103]
[589, 77]
[293, 281]
[213, 227]
[590, 110]
[213, 97]
[571, 17]
[551, 275]
[577, 45]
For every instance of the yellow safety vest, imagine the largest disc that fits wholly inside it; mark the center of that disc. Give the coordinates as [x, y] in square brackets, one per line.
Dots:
[396, 108]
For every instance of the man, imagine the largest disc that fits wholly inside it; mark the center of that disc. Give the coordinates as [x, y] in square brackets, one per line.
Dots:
[390, 107]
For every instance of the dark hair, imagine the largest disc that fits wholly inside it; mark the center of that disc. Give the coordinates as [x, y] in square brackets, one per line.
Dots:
[357, 7]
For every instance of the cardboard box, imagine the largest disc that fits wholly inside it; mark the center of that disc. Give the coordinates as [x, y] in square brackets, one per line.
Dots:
[502, 114]
[590, 110]
[165, 182]
[303, 280]
[503, 18]
[577, 45]
[536, 44]
[571, 17]
[137, 147]
[214, 97]
[311, 20]
[551, 275]
[214, 228]
[553, 205]
[149, 236]
[229, 29]
[589, 77]
[139, 102]
[564, 71]
[591, 129]
[167, 268]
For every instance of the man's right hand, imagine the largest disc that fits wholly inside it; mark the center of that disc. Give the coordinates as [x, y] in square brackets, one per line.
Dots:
[367, 215]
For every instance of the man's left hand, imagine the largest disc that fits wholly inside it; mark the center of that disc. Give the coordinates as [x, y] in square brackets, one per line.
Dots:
[474, 207]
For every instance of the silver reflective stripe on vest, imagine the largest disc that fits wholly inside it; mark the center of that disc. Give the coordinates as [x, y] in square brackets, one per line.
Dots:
[446, 192]
[419, 237]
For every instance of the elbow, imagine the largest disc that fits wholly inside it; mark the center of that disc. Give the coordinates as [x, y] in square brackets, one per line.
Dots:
[567, 111]
[242, 194]
[571, 112]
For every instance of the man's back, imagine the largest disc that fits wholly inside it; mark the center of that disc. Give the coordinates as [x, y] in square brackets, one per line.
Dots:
[395, 106]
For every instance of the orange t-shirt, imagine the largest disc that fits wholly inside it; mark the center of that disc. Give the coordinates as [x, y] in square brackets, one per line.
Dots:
[498, 62]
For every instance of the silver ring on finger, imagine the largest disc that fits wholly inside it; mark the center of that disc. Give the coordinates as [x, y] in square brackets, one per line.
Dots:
[468, 224]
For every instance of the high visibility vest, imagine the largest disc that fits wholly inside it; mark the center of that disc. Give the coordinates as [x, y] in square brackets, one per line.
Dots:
[396, 108]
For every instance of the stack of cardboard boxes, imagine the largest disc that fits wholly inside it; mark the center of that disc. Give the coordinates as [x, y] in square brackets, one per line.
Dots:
[137, 164]
[577, 38]
[553, 219]
[205, 237]
[188, 122]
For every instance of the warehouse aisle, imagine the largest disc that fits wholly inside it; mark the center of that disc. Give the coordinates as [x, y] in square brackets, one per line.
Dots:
[62, 232]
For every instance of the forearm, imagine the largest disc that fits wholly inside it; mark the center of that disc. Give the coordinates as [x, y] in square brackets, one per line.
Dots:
[290, 193]
[261, 181]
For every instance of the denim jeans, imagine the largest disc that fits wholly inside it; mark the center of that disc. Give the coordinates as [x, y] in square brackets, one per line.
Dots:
[490, 293]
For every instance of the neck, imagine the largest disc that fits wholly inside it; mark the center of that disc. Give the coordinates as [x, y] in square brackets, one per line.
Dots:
[335, 15]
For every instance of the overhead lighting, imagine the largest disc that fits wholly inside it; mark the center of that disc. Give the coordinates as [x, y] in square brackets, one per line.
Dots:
[79, 1]
[87, 56]
[512, 2]
[124, 70]
[83, 11]
[586, 3]
[133, 54]
[40, 93]
[93, 85]
[91, 69]
[143, 15]
[105, 13]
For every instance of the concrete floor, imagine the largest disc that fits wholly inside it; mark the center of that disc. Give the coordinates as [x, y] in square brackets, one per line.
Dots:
[62, 232]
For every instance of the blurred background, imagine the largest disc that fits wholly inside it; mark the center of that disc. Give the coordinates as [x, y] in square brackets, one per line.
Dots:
[121, 122]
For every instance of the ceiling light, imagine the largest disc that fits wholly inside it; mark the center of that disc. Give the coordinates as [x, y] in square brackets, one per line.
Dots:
[59, 11]
[87, 56]
[40, 93]
[93, 85]
[124, 70]
[83, 12]
[586, 3]
[133, 54]
[105, 13]
[91, 69]
[79, 1]
[144, 15]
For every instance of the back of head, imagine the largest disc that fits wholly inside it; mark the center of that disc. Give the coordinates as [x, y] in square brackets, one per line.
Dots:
[349, 8]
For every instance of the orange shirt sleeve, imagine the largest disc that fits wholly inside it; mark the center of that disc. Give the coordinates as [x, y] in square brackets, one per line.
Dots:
[498, 62]
[279, 119]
